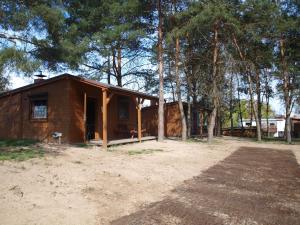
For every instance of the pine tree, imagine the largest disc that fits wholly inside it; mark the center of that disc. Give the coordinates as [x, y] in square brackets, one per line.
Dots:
[287, 35]
[161, 73]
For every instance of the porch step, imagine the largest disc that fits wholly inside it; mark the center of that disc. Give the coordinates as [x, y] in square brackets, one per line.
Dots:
[121, 141]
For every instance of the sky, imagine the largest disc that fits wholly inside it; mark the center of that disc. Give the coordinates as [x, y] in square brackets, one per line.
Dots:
[17, 81]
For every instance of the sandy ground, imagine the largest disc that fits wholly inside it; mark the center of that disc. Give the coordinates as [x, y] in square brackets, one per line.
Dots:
[251, 186]
[90, 186]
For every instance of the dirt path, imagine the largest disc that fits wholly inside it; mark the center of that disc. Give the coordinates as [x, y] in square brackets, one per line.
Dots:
[252, 186]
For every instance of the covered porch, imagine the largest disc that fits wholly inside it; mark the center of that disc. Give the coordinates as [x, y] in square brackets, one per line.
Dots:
[115, 116]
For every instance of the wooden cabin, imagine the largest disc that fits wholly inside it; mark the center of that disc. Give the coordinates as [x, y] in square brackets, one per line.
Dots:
[295, 122]
[172, 120]
[78, 108]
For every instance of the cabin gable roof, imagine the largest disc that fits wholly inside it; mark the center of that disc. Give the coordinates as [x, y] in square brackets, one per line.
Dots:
[81, 80]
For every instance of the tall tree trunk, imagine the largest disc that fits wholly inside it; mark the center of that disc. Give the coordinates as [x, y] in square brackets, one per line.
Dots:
[240, 107]
[251, 111]
[171, 80]
[119, 68]
[258, 94]
[268, 91]
[250, 83]
[218, 123]
[268, 126]
[211, 125]
[189, 114]
[173, 92]
[189, 86]
[288, 129]
[286, 92]
[201, 123]
[108, 69]
[231, 105]
[212, 118]
[178, 91]
[254, 106]
[188, 125]
[161, 76]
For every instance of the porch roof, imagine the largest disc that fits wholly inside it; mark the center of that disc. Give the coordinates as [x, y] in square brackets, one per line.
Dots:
[113, 87]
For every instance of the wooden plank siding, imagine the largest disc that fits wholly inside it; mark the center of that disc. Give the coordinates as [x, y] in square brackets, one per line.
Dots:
[67, 107]
[172, 119]
[15, 118]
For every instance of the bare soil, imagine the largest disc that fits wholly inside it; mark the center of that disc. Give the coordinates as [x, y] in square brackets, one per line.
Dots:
[252, 186]
[90, 186]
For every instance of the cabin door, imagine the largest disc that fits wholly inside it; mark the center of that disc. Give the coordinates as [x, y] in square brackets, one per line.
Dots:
[90, 118]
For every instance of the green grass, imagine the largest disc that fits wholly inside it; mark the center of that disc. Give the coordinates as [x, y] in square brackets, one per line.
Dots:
[194, 140]
[17, 143]
[19, 150]
[143, 151]
[83, 145]
[215, 141]
[21, 154]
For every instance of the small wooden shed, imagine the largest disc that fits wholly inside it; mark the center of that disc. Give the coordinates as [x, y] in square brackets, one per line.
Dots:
[172, 120]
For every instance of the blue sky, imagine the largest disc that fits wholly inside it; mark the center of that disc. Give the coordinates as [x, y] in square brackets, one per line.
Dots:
[17, 81]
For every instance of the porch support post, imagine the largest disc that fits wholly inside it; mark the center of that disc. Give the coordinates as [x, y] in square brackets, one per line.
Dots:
[104, 119]
[201, 124]
[84, 117]
[139, 120]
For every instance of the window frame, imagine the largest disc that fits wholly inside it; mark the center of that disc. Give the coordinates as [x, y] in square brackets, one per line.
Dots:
[34, 98]
[122, 99]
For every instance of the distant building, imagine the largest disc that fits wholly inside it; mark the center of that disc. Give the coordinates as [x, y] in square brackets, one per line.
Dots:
[276, 125]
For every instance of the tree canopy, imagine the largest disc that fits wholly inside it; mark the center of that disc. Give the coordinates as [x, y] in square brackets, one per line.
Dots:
[216, 53]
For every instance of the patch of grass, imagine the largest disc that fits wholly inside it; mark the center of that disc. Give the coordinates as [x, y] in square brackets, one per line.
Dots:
[17, 142]
[143, 151]
[19, 149]
[21, 154]
[111, 149]
[196, 140]
[215, 141]
[83, 145]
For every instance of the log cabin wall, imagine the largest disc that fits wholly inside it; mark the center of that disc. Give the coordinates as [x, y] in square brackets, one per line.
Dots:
[172, 120]
[150, 120]
[16, 113]
[10, 117]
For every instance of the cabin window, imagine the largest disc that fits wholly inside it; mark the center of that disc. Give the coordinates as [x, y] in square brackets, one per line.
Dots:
[39, 107]
[272, 124]
[123, 105]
